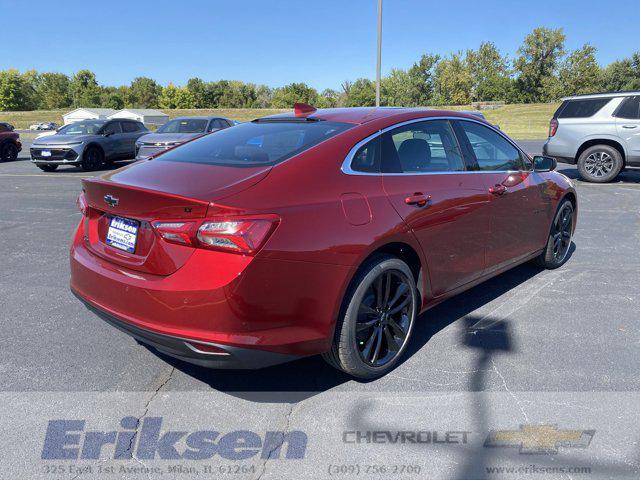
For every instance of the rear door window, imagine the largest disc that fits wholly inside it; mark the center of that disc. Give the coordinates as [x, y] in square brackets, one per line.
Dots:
[367, 158]
[629, 109]
[581, 108]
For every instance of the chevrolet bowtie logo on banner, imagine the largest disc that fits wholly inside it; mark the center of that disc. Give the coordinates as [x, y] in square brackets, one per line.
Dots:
[539, 439]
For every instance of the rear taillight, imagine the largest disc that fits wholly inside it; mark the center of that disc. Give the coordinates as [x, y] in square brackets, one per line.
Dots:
[81, 203]
[553, 127]
[245, 235]
[176, 232]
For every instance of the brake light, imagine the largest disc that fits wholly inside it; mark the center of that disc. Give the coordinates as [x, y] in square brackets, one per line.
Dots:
[81, 203]
[244, 235]
[553, 127]
[176, 232]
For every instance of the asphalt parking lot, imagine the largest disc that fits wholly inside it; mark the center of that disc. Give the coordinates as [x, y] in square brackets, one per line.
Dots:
[539, 344]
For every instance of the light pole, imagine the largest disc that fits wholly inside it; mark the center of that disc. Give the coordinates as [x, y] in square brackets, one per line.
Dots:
[379, 53]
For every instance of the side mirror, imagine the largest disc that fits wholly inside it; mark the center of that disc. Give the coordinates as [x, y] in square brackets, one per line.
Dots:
[107, 134]
[544, 164]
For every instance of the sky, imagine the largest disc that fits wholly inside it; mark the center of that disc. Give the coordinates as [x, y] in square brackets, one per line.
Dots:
[276, 42]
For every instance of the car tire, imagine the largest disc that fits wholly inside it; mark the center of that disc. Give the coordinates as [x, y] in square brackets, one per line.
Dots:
[92, 159]
[8, 152]
[600, 164]
[556, 251]
[48, 168]
[376, 319]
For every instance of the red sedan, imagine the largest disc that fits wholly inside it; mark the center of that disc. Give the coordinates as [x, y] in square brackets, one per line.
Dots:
[317, 232]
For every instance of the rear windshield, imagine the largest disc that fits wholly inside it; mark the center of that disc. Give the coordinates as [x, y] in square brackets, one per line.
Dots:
[255, 143]
[580, 108]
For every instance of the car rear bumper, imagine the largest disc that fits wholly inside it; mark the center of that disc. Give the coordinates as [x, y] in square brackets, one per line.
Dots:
[268, 306]
[183, 349]
[560, 150]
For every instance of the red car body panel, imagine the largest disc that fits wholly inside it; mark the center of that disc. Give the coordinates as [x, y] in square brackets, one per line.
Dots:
[287, 297]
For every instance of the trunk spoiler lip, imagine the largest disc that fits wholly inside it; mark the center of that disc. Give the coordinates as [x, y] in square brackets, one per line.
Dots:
[107, 183]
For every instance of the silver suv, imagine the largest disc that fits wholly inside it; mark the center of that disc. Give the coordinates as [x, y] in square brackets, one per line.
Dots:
[89, 143]
[600, 133]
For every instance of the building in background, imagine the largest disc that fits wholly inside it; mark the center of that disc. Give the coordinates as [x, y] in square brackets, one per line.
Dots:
[147, 116]
[80, 114]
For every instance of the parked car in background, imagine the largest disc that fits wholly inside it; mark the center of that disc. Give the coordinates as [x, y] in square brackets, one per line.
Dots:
[43, 126]
[599, 132]
[10, 144]
[177, 131]
[89, 144]
[314, 232]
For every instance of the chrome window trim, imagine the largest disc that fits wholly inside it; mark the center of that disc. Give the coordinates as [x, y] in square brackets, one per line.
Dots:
[346, 164]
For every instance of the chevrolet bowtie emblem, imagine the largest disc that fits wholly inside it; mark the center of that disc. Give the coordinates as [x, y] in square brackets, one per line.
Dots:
[111, 200]
[542, 439]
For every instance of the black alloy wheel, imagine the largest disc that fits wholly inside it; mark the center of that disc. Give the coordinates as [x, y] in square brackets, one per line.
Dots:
[376, 320]
[384, 318]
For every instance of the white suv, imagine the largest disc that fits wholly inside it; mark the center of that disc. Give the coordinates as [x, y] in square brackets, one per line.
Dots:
[600, 133]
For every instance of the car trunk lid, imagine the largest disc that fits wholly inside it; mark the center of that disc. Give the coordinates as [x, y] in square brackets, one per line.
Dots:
[140, 196]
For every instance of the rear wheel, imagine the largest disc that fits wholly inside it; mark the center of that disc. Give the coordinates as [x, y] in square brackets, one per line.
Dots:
[600, 164]
[92, 159]
[8, 152]
[377, 319]
[556, 251]
[48, 168]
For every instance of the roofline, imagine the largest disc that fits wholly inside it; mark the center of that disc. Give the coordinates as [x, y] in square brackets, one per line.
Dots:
[398, 111]
[200, 117]
[621, 93]
[134, 110]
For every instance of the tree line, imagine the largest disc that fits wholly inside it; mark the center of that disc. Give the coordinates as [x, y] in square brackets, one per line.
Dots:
[541, 71]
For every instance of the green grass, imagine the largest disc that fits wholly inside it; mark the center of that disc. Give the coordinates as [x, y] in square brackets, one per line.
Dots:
[518, 121]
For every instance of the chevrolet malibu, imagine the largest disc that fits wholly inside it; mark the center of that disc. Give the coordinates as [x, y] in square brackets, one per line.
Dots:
[176, 132]
[317, 232]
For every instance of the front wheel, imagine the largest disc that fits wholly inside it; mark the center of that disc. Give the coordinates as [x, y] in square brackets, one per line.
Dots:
[92, 159]
[377, 319]
[556, 251]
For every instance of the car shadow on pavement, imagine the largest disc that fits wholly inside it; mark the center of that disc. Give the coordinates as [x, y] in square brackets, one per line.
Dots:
[298, 380]
[488, 336]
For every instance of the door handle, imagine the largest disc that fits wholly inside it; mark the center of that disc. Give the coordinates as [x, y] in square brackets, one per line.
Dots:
[629, 126]
[418, 199]
[498, 189]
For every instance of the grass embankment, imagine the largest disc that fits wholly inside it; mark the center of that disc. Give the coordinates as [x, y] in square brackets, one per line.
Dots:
[519, 121]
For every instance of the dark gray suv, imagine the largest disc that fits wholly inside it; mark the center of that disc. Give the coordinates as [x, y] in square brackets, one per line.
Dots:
[89, 143]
